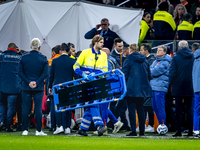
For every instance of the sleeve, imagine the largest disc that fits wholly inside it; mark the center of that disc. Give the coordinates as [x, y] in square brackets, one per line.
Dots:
[75, 75]
[172, 72]
[22, 74]
[44, 73]
[90, 34]
[172, 22]
[51, 76]
[149, 73]
[126, 68]
[105, 63]
[78, 64]
[160, 68]
[143, 31]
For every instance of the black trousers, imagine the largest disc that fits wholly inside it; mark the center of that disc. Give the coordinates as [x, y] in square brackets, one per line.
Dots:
[189, 112]
[133, 104]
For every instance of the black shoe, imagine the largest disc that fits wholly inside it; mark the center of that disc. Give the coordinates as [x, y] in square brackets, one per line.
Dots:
[9, 130]
[189, 135]
[101, 130]
[82, 132]
[177, 134]
[197, 136]
[134, 134]
[142, 134]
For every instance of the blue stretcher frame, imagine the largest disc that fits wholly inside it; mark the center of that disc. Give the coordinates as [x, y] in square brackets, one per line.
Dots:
[116, 74]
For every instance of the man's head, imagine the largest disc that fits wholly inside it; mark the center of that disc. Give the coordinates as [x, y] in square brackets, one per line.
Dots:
[65, 48]
[182, 44]
[145, 49]
[161, 51]
[195, 46]
[126, 51]
[55, 50]
[35, 44]
[97, 42]
[134, 48]
[104, 24]
[164, 6]
[72, 49]
[188, 17]
[12, 46]
[118, 44]
[106, 50]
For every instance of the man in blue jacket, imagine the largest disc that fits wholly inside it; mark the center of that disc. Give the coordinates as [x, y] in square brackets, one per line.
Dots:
[33, 69]
[10, 84]
[180, 77]
[62, 71]
[160, 82]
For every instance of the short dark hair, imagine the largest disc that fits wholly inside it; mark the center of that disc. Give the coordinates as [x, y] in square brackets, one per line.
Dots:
[164, 6]
[56, 49]
[65, 47]
[195, 46]
[12, 45]
[147, 47]
[105, 19]
[187, 17]
[117, 40]
[71, 45]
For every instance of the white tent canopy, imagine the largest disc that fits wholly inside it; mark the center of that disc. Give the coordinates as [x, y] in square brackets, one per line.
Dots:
[55, 22]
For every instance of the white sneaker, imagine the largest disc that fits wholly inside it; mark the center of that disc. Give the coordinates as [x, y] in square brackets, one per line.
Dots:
[58, 130]
[25, 132]
[117, 126]
[137, 129]
[149, 129]
[96, 132]
[67, 131]
[196, 132]
[40, 133]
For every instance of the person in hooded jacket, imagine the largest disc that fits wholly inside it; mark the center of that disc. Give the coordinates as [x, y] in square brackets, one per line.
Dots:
[180, 77]
[137, 74]
[160, 82]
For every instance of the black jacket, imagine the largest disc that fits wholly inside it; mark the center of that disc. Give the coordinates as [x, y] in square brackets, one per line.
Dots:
[180, 73]
[62, 70]
[150, 59]
[33, 67]
[137, 74]
[119, 63]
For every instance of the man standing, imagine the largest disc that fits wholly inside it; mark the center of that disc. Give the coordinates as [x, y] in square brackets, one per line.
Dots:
[180, 77]
[92, 61]
[62, 71]
[10, 84]
[72, 50]
[33, 69]
[105, 32]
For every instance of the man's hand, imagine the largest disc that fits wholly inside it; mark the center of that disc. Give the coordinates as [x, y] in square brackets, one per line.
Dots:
[97, 26]
[50, 91]
[32, 84]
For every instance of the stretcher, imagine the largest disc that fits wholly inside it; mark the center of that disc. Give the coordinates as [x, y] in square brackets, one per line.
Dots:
[101, 88]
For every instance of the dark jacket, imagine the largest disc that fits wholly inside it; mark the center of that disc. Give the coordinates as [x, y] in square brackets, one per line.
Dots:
[108, 37]
[180, 74]
[150, 59]
[9, 78]
[137, 74]
[62, 70]
[115, 55]
[33, 67]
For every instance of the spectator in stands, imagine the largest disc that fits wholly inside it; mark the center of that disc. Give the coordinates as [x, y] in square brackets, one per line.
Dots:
[179, 12]
[195, 77]
[33, 69]
[55, 53]
[196, 17]
[62, 71]
[138, 87]
[145, 49]
[196, 32]
[185, 29]
[72, 51]
[164, 25]
[145, 27]
[180, 77]
[105, 32]
[160, 82]
[10, 85]
[170, 9]
[186, 4]
[194, 7]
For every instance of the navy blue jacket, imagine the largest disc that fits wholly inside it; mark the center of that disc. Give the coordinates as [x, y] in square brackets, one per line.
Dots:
[180, 74]
[33, 67]
[108, 37]
[62, 70]
[117, 58]
[9, 79]
[137, 74]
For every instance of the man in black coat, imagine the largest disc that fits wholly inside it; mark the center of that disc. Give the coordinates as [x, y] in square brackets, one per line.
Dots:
[180, 76]
[62, 71]
[33, 69]
[137, 74]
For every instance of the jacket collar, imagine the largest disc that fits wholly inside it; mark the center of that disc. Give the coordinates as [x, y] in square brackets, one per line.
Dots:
[93, 51]
[12, 49]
